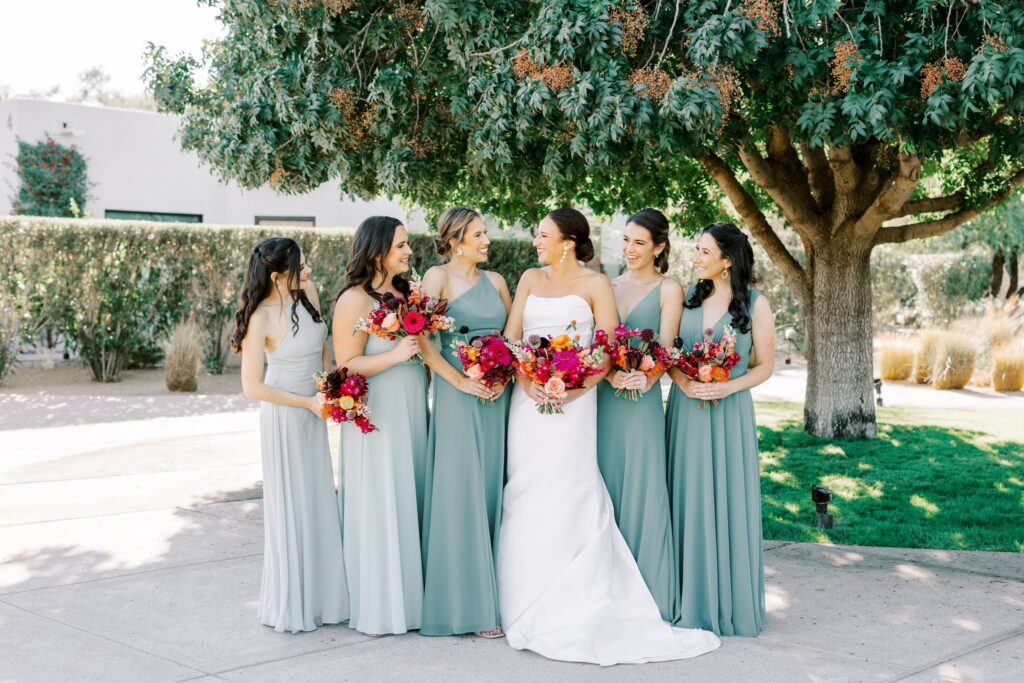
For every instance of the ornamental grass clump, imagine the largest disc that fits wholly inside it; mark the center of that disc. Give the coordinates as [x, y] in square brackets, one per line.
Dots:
[924, 357]
[184, 357]
[8, 337]
[896, 359]
[1008, 368]
[954, 361]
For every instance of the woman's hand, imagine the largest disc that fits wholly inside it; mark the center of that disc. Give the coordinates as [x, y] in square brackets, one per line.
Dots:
[619, 379]
[406, 348]
[535, 392]
[570, 396]
[710, 391]
[475, 387]
[313, 403]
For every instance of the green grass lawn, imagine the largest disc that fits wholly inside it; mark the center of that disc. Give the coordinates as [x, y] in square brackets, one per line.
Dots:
[949, 479]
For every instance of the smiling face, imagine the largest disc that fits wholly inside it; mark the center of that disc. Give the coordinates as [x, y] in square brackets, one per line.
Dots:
[638, 247]
[707, 258]
[475, 242]
[549, 243]
[396, 261]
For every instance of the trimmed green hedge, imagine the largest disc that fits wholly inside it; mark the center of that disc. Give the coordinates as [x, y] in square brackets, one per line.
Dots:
[115, 288]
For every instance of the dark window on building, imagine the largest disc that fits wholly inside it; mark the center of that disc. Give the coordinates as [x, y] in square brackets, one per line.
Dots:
[287, 221]
[154, 216]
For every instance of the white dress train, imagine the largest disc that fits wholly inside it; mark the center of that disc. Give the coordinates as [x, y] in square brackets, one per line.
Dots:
[568, 586]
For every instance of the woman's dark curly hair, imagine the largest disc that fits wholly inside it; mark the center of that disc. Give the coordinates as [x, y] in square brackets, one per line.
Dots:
[370, 246]
[271, 255]
[735, 246]
[654, 222]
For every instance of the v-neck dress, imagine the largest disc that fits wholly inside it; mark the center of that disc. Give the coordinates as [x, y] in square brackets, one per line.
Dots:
[631, 455]
[715, 491]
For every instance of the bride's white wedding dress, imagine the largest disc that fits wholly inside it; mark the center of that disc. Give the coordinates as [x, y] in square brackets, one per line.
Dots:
[568, 587]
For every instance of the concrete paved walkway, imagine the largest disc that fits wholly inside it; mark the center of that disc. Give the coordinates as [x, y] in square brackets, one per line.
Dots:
[131, 550]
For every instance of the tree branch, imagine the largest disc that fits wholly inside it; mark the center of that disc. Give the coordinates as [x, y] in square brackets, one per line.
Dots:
[913, 231]
[798, 213]
[932, 204]
[819, 175]
[756, 221]
[891, 198]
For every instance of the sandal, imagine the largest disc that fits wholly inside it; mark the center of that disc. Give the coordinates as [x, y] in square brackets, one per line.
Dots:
[496, 633]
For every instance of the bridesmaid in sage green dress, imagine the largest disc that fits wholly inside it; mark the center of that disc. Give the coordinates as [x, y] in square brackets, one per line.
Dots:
[466, 445]
[631, 434]
[381, 474]
[278, 320]
[714, 480]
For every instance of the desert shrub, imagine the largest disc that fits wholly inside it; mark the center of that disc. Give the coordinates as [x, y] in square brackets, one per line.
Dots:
[184, 356]
[8, 335]
[924, 357]
[954, 361]
[1008, 368]
[949, 285]
[897, 359]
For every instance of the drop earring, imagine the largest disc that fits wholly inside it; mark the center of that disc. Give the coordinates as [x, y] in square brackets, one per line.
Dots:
[565, 252]
[725, 274]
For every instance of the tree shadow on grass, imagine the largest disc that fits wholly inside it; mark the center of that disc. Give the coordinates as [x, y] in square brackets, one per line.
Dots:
[913, 487]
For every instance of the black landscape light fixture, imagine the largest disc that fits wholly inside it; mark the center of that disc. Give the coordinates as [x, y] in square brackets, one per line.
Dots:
[822, 497]
[878, 392]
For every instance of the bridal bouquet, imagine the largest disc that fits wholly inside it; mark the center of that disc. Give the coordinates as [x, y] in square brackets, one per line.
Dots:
[486, 357]
[635, 350]
[708, 361]
[559, 363]
[401, 317]
[343, 398]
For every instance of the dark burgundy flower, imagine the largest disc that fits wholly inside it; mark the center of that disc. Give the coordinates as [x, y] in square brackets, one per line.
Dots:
[647, 335]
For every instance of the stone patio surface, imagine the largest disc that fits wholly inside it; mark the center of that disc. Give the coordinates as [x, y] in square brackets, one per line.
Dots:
[130, 550]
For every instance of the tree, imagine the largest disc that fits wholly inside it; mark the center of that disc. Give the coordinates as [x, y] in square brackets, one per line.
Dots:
[1002, 230]
[52, 179]
[827, 113]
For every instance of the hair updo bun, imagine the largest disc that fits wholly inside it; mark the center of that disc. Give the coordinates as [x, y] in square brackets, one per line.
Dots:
[654, 222]
[451, 228]
[573, 225]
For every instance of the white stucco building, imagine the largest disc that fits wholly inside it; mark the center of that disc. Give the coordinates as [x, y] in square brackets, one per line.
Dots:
[136, 169]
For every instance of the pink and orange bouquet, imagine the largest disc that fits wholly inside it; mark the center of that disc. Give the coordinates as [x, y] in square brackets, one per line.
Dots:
[401, 317]
[708, 360]
[559, 363]
[487, 358]
[635, 350]
[343, 398]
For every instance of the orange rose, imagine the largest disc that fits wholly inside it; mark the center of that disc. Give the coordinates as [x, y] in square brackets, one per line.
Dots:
[704, 373]
[561, 342]
[474, 372]
[719, 374]
[391, 322]
[555, 388]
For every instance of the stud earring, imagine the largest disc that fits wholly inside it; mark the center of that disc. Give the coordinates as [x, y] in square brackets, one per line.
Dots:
[565, 252]
[459, 252]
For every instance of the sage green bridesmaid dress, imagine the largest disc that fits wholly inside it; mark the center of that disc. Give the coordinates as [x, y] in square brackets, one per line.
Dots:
[303, 583]
[715, 489]
[465, 475]
[631, 455]
[379, 499]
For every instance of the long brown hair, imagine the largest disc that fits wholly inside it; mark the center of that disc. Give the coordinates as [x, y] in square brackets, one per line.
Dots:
[735, 246]
[271, 255]
[371, 245]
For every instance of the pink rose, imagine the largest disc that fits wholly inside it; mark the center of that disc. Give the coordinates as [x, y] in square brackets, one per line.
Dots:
[555, 387]
[474, 371]
[704, 372]
[647, 364]
[391, 322]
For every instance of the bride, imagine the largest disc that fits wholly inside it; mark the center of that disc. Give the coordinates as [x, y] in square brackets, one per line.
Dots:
[568, 586]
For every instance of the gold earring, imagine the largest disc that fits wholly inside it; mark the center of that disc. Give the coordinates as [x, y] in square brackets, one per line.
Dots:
[565, 251]
[725, 274]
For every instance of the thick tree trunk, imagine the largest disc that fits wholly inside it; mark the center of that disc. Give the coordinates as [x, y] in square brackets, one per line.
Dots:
[997, 274]
[840, 371]
[1014, 268]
